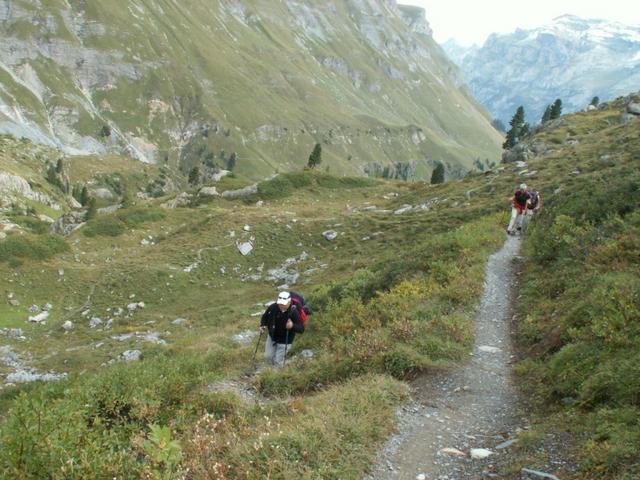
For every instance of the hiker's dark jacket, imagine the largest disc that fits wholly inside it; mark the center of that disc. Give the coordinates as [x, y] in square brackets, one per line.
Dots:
[276, 322]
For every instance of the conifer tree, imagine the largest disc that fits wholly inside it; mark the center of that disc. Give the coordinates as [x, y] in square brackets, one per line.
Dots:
[231, 163]
[84, 196]
[194, 176]
[437, 176]
[316, 156]
[556, 109]
[595, 101]
[547, 114]
[519, 128]
[92, 209]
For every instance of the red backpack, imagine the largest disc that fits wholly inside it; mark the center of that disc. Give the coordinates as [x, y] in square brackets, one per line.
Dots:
[303, 310]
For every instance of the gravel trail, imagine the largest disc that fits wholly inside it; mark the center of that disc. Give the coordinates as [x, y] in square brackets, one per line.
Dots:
[471, 407]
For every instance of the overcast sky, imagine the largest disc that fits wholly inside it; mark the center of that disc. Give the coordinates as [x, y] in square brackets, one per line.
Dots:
[469, 21]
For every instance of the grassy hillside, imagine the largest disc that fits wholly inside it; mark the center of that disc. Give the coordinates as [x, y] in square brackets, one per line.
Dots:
[192, 82]
[393, 296]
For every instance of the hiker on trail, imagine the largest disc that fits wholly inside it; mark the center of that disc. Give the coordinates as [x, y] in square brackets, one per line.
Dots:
[519, 203]
[282, 321]
[533, 207]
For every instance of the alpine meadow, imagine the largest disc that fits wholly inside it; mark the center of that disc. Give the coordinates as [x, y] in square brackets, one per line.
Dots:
[167, 169]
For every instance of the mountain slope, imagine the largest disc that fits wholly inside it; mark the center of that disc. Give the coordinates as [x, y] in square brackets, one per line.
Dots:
[191, 82]
[572, 59]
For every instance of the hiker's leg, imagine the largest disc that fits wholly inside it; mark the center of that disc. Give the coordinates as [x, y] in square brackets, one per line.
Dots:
[526, 218]
[269, 350]
[278, 359]
[512, 222]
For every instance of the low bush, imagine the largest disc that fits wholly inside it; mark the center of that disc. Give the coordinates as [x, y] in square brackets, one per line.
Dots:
[40, 247]
[115, 225]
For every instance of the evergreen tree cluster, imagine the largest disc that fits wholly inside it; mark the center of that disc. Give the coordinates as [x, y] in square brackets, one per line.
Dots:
[437, 176]
[316, 156]
[519, 129]
[552, 111]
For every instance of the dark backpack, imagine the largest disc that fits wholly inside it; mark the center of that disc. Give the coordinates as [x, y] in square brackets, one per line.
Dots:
[303, 309]
[521, 197]
[535, 198]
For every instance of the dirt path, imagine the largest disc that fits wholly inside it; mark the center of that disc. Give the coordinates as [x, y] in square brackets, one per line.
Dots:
[472, 407]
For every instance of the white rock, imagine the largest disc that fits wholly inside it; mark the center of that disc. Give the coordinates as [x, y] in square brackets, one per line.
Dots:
[260, 203]
[67, 326]
[537, 474]
[480, 453]
[245, 248]
[132, 307]
[452, 451]
[403, 209]
[179, 321]
[39, 318]
[247, 228]
[488, 349]
[94, 322]
[209, 192]
[330, 234]
[131, 355]
[421, 476]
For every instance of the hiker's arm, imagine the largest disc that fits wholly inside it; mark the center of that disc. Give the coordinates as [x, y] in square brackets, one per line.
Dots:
[298, 326]
[264, 321]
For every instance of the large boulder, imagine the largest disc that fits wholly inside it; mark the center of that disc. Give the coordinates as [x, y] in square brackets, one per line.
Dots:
[242, 192]
[68, 223]
[633, 108]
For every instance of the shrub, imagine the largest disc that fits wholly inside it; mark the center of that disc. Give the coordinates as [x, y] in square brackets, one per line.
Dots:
[34, 247]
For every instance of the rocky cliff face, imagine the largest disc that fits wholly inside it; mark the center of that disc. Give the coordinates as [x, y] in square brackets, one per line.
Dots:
[189, 82]
[571, 59]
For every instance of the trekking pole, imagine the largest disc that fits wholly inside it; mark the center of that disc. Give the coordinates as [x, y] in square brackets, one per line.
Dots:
[257, 344]
[284, 359]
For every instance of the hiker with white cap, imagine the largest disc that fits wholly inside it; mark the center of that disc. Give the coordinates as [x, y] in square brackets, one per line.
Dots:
[282, 321]
[519, 203]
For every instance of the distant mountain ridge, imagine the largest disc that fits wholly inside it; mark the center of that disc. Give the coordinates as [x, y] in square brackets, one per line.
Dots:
[187, 83]
[572, 59]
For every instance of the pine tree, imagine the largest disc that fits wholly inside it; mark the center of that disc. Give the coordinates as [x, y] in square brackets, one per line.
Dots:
[437, 176]
[316, 156]
[59, 166]
[231, 163]
[595, 101]
[556, 109]
[519, 128]
[92, 209]
[194, 176]
[547, 114]
[84, 196]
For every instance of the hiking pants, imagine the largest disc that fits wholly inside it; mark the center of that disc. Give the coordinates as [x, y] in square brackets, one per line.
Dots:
[526, 218]
[516, 218]
[274, 352]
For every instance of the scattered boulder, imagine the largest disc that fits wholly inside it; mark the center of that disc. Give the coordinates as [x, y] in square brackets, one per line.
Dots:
[68, 223]
[245, 337]
[39, 318]
[102, 193]
[403, 209]
[131, 355]
[94, 322]
[181, 200]
[527, 473]
[451, 451]
[480, 453]
[633, 108]
[242, 192]
[209, 192]
[179, 321]
[330, 235]
[67, 326]
[245, 248]
[488, 349]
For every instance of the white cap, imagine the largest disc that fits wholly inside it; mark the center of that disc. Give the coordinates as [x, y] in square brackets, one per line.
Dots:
[284, 298]
[523, 186]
